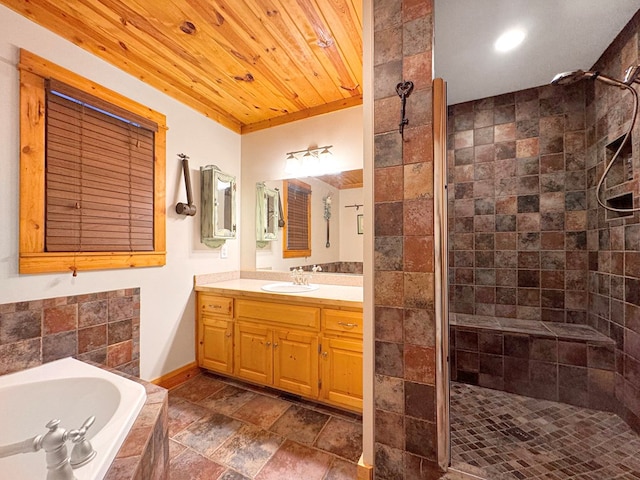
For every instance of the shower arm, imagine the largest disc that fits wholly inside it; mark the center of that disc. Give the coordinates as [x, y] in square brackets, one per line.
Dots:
[619, 150]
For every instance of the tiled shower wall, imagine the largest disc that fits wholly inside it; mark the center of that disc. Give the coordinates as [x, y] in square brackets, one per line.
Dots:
[527, 237]
[518, 206]
[614, 244]
[100, 327]
[405, 398]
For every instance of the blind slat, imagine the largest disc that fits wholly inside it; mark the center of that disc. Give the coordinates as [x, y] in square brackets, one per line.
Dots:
[99, 179]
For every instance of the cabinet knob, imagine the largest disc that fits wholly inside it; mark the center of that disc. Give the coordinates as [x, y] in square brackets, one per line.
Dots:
[268, 344]
[275, 345]
[325, 354]
[228, 335]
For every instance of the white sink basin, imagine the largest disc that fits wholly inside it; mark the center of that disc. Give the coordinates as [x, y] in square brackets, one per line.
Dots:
[287, 287]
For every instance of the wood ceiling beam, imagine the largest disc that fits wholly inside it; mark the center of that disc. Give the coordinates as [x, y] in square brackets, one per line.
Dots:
[301, 115]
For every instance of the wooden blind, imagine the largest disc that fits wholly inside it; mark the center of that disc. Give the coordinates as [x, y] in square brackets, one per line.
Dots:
[298, 214]
[99, 175]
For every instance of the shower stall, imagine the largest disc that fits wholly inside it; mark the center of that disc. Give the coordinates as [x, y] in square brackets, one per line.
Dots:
[544, 238]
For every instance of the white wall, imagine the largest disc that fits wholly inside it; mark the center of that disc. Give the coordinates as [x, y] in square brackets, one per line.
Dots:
[263, 159]
[166, 293]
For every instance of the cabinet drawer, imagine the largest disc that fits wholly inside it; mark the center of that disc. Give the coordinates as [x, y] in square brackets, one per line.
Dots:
[215, 305]
[294, 315]
[340, 321]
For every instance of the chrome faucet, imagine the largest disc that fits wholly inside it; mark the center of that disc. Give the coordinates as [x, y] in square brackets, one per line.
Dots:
[59, 464]
[297, 276]
[300, 277]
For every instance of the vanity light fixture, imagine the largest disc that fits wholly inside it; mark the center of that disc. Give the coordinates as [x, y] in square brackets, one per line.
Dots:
[310, 161]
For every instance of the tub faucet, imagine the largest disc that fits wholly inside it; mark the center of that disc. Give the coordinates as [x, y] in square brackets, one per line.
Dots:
[59, 465]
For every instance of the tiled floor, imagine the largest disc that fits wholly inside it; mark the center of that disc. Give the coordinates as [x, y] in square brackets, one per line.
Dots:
[500, 436]
[222, 430]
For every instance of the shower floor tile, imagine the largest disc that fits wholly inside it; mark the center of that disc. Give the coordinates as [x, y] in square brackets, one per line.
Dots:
[503, 436]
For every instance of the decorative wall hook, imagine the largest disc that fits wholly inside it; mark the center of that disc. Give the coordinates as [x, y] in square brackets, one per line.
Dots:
[404, 89]
[186, 208]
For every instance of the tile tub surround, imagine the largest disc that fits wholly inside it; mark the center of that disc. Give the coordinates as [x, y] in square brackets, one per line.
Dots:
[102, 327]
[144, 454]
[573, 364]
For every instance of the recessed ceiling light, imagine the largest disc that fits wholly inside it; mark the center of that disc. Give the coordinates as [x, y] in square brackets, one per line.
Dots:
[509, 40]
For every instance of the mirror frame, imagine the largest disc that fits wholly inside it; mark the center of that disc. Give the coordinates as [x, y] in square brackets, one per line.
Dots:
[263, 196]
[211, 234]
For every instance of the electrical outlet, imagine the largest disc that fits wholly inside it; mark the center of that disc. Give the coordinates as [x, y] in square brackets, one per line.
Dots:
[224, 251]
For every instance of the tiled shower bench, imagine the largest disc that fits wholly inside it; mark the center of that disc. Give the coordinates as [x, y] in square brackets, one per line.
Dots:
[574, 364]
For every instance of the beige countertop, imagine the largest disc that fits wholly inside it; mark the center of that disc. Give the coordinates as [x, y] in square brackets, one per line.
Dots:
[349, 296]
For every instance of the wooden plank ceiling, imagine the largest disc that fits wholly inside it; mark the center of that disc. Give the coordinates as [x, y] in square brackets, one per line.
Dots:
[248, 64]
[344, 180]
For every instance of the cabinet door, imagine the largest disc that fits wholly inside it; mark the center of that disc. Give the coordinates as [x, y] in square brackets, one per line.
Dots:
[295, 362]
[342, 372]
[215, 348]
[253, 353]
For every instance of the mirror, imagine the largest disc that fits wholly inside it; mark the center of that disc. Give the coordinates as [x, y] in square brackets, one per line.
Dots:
[267, 214]
[218, 214]
[342, 252]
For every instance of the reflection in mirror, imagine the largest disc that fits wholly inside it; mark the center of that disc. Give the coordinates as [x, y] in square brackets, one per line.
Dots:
[296, 204]
[345, 252]
[267, 214]
[218, 214]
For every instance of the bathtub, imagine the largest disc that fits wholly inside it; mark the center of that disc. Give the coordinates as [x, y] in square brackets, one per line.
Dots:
[71, 391]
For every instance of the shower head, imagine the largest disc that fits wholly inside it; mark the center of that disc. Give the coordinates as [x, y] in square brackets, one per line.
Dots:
[567, 78]
[632, 74]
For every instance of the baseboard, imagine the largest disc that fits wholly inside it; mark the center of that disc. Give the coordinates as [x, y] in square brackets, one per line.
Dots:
[365, 472]
[177, 377]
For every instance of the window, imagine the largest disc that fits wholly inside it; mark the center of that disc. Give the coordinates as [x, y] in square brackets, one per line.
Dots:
[297, 212]
[92, 175]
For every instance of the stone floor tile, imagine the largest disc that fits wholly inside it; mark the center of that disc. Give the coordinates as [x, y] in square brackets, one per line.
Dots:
[208, 433]
[262, 411]
[183, 413]
[342, 438]
[197, 388]
[190, 465]
[294, 461]
[300, 424]
[175, 449]
[342, 470]
[227, 400]
[498, 435]
[233, 475]
[248, 449]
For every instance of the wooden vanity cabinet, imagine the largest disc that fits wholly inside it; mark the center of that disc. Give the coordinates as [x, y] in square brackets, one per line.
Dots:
[341, 358]
[277, 344]
[312, 351]
[215, 333]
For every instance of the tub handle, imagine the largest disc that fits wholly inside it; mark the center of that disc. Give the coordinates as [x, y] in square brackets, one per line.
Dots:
[83, 451]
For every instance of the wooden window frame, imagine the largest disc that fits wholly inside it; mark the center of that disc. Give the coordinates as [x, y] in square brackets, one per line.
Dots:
[286, 253]
[34, 71]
